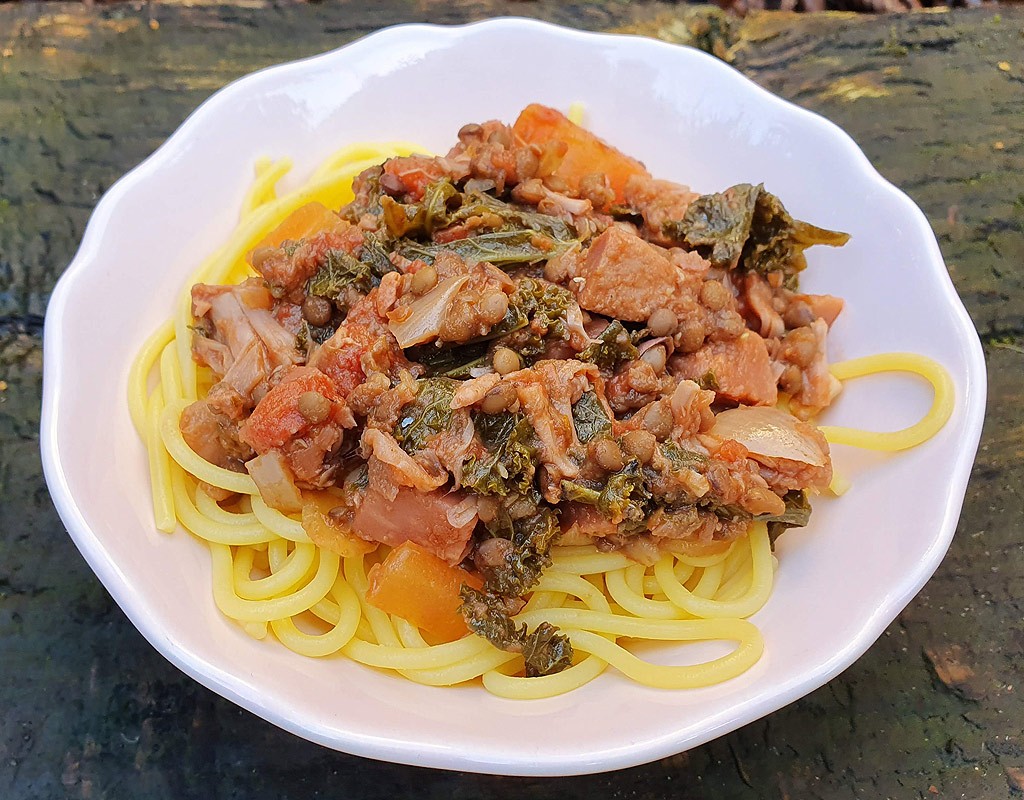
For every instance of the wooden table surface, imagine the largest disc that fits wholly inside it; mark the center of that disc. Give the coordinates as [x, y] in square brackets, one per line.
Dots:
[89, 710]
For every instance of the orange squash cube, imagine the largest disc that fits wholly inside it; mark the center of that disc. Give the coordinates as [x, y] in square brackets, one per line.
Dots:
[586, 154]
[417, 586]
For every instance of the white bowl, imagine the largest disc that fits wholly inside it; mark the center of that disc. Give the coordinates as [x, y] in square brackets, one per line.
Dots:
[691, 119]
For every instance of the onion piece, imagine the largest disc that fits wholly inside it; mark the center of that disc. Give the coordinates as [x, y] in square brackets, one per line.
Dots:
[669, 345]
[405, 470]
[274, 479]
[463, 513]
[770, 433]
[426, 314]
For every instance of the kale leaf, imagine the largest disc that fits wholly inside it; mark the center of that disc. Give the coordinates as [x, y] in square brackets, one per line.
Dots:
[375, 254]
[423, 218]
[545, 651]
[429, 414]
[777, 241]
[536, 314]
[510, 235]
[709, 381]
[368, 194]
[487, 615]
[681, 458]
[501, 248]
[338, 271]
[717, 225]
[545, 304]
[450, 362]
[612, 347]
[310, 335]
[796, 515]
[512, 218]
[748, 228]
[531, 537]
[624, 498]
[508, 467]
[589, 418]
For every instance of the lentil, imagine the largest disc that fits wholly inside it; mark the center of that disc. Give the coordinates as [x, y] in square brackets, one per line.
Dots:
[658, 420]
[714, 295]
[662, 322]
[506, 360]
[640, 444]
[498, 399]
[317, 310]
[314, 407]
[423, 280]
[608, 455]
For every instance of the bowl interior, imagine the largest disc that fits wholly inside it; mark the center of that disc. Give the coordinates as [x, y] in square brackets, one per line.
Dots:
[690, 119]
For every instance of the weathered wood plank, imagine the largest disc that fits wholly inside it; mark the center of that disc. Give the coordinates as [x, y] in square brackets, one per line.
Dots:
[90, 710]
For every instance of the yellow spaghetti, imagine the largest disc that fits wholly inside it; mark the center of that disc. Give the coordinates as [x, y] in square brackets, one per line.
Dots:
[270, 578]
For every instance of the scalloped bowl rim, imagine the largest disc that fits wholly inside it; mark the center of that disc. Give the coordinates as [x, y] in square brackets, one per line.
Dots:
[514, 761]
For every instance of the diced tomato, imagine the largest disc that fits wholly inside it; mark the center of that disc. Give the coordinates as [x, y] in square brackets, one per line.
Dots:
[586, 154]
[276, 418]
[731, 450]
[303, 222]
[824, 306]
[421, 588]
[415, 173]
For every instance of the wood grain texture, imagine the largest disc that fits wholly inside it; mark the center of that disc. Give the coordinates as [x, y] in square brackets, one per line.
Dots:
[934, 709]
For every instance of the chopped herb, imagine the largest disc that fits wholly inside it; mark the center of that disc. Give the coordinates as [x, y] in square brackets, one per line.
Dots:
[709, 381]
[612, 347]
[589, 418]
[429, 414]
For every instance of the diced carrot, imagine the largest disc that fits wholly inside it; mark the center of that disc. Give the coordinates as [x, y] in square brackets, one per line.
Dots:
[303, 222]
[421, 588]
[326, 531]
[586, 154]
[276, 418]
